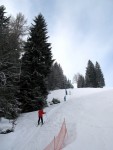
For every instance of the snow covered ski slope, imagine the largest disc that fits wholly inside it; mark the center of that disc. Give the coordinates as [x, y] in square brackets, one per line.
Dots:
[88, 114]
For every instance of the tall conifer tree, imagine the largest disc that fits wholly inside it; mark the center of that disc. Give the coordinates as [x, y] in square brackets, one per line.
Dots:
[57, 79]
[36, 64]
[80, 81]
[8, 70]
[90, 77]
[99, 75]
[4, 33]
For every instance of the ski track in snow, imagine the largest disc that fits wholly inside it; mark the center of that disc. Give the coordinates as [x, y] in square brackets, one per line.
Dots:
[88, 115]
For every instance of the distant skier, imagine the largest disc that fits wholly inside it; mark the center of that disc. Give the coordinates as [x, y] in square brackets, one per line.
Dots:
[65, 98]
[40, 116]
[66, 91]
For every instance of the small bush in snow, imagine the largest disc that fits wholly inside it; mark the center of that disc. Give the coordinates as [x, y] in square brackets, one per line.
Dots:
[5, 131]
[55, 101]
[51, 103]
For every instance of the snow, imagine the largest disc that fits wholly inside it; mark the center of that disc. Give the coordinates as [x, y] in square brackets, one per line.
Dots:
[88, 113]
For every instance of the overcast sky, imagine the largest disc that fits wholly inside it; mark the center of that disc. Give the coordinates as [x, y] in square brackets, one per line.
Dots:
[79, 30]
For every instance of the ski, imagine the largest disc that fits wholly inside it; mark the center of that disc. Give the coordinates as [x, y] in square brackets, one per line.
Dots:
[43, 123]
[40, 124]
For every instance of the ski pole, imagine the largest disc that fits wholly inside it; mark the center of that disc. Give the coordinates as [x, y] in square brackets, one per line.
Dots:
[46, 116]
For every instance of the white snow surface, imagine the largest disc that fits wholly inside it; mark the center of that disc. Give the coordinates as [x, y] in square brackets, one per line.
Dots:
[88, 114]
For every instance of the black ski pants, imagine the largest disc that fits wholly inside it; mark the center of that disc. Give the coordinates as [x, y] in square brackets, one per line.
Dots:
[40, 118]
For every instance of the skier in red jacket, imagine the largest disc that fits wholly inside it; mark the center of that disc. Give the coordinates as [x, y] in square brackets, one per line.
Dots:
[40, 116]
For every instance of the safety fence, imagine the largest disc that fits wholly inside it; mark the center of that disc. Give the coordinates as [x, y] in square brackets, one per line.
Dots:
[57, 142]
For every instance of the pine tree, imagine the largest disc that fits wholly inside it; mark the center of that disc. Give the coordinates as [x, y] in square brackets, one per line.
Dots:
[4, 30]
[8, 101]
[90, 77]
[9, 54]
[80, 81]
[59, 76]
[36, 64]
[51, 79]
[69, 84]
[57, 79]
[54, 77]
[99, 75]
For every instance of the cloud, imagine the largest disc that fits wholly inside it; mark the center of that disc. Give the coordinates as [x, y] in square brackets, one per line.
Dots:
[27, 7]
[79, 30]
[82, 31]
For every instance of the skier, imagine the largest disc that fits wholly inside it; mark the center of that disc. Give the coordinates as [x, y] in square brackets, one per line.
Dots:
[40, 116]
[66, 91]
[65, 98]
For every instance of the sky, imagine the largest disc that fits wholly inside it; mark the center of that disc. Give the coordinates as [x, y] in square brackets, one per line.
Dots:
[88, 114]
[78, 30]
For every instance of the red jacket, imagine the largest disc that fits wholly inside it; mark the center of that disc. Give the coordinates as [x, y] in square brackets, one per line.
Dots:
[40, 113]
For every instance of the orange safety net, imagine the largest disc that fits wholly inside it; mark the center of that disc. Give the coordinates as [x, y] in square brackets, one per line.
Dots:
[57, 142]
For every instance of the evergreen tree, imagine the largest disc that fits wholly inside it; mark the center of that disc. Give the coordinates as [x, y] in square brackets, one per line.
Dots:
[9, 54]
[99, 75]
[8, 101]
[4, 32]
[90, 77]
[69, 84]
[80, 81]
[36, 64]
[57, 79]
[51, 79]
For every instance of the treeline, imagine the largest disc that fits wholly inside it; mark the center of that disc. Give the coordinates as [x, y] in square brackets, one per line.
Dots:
[27, 68]
[57, 79]
[93, 77]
